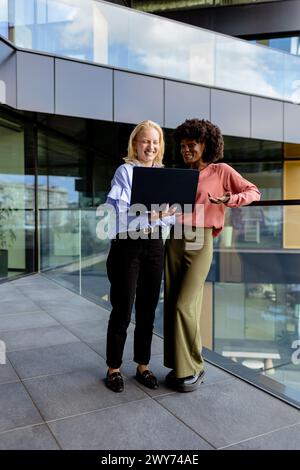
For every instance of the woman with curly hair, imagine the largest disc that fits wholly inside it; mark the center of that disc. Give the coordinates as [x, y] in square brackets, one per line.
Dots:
[188, 260]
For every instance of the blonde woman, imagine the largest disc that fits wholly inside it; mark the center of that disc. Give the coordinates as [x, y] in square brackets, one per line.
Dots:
[135, 263]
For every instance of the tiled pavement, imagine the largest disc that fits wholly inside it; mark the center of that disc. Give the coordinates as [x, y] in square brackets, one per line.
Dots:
[52, 394]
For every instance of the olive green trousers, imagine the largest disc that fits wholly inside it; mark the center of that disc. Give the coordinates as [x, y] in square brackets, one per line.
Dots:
[187, 264]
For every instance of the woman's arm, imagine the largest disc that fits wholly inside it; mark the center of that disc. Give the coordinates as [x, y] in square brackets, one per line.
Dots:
[240, 191]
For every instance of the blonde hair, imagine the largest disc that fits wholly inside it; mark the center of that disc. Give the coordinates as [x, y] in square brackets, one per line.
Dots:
[131, 152]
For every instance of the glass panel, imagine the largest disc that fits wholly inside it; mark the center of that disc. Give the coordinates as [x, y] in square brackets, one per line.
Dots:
[291, 79]
[94, 250]
[257, 292]
[16, 196]
[152, 49]
[4, 18]
[256, 70]
[62, 173]
[60, 246]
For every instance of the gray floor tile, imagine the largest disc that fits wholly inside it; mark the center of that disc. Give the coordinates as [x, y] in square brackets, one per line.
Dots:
[75, 313]
[73, 301]
[18, 305]
[23, 321]
[37, 338]
[282, 439]
[140, 425]
[230, 411]
[32, 279]
[46, 294]
[214, 374]
[54, 360]
[90, 332]
[12, 295]
[63, 395]
[16, 407]
[7, 373]
[31, 438]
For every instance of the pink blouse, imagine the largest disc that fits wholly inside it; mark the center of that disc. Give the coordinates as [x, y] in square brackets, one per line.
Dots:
[217, 179]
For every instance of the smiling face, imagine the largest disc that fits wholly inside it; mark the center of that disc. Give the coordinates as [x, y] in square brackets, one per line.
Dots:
[147, 146]
[192, 152]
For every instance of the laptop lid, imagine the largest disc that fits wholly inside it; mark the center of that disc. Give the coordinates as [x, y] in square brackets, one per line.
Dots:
[157, 186]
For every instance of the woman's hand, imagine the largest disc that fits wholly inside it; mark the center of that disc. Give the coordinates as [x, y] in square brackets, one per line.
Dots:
[160, 215]
[219, 200]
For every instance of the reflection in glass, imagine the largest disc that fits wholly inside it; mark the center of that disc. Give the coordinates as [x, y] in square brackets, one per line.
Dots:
[60, 246]
[255, 70]
[257, 294]
[16, 200]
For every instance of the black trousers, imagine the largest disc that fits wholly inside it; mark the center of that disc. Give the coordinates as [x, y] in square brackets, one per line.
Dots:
[134, 269]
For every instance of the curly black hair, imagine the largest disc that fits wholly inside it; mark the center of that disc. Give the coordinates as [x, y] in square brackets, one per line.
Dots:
[205, 132]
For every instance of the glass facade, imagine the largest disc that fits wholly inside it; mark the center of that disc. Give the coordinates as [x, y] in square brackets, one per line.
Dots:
[120, 37]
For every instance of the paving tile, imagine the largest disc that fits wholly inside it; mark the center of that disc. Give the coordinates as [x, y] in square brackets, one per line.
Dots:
[75, 313]
[24, 321]
[214, 374]
[34, 279]
[47, 294]
[54, 360]
[13, 306]
[140, 425]
[229, 411]
[16, 407]
[282, 439]
[72, 300]
[37, 338]
[12, 294]
[90, 332]
[63, 395]
[7, 373]
[30, 438]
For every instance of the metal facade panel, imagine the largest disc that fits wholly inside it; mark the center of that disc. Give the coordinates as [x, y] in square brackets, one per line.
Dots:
[291, 120]
[83, 90]
[137, 97]
[35, 82]
[266, 119]
[231, 112]
[185, 101]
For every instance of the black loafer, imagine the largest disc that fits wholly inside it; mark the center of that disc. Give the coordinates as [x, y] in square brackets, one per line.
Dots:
[147, 378]
[115, 382]
[189, 384]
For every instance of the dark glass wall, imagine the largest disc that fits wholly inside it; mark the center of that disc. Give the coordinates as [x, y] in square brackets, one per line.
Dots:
[17, 201]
